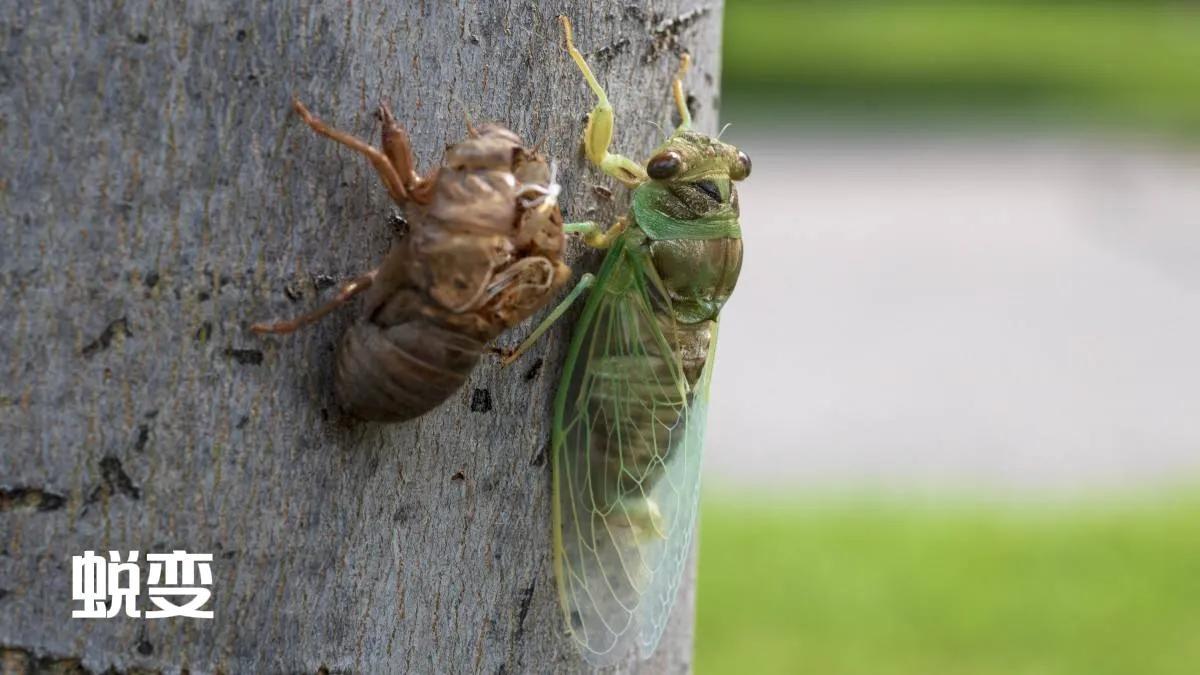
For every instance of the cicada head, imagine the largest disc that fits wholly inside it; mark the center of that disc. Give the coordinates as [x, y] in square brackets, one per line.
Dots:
[490, 146]
[696, 175]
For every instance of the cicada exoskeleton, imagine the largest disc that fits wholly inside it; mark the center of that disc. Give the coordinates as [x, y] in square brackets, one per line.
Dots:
[483, 252]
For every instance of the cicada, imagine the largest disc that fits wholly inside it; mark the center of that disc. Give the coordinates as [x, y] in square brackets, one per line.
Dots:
[484, 252]
[629, 412]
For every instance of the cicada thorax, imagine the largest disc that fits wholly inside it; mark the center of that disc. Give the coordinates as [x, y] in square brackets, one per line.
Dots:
[698, 275]
[482, 254]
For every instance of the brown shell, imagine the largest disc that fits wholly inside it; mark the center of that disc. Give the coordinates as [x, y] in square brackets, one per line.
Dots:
[484, 252]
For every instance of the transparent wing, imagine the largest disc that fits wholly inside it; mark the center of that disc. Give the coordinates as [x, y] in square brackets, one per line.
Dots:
[678, 494]
[629, 429]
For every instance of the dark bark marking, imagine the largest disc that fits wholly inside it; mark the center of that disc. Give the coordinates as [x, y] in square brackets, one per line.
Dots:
[34, 499]
[523, 611]
[666, 32]
[246, 357]
[143, 437]
[534, 370]
[23, 661]
[323, 281]
[204, 332]
[481, 401]
[292, 291]
[119, 326]
[608, 52]
[113, 480]
[540, 458]
[404, 513]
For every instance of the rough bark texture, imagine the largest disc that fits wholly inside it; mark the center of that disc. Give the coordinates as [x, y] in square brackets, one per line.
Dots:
[157, 196]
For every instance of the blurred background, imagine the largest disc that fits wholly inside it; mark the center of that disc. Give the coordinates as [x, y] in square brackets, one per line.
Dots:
[954, 427]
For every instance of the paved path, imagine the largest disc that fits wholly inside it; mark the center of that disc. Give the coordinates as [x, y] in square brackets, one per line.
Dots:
[1000, 313]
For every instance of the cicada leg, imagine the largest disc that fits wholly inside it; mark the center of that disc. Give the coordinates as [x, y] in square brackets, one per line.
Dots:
[685, 115]
[585, 282]
[398, 149]
[348, 291]
[382, 163]
[597, 137]
[592, 234]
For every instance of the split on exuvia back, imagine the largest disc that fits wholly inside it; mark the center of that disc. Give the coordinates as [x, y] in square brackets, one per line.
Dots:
[629, 413]
[484, 252]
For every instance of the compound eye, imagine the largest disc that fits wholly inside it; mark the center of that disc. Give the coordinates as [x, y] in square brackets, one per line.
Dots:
[664, 165]
[741, 170]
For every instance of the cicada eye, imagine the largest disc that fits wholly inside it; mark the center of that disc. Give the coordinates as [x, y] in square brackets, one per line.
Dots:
[664, 165]
[741, 170]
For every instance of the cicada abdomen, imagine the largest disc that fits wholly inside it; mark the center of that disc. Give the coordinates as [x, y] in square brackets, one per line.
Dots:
[483, 253]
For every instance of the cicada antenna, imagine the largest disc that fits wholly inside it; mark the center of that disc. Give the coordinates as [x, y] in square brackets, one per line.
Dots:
[660, 128]
[722, 131]
[471, 130]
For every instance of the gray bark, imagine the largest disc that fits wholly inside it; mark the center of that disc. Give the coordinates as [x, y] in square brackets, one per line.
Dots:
[156, 197]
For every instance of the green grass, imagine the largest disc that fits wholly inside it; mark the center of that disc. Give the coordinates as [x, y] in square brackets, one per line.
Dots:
[846, 587]
[1132, 63]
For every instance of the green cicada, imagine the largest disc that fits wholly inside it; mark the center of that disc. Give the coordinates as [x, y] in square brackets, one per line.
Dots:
[629, 413]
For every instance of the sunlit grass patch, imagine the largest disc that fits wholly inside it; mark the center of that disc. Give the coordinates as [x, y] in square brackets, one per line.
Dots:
[845, 587]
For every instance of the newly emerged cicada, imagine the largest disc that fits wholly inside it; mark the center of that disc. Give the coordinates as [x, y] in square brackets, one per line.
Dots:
[629, 414]
[483, 253]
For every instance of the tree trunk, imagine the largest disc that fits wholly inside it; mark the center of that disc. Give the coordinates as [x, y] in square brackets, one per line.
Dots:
[158, 196]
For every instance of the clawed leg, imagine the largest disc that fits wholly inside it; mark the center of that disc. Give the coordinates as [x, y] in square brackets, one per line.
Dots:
[585, 282]
[398, 149]
[597, 137]
[348, 291]
[592, 234]
[382, 163]
[685, 115]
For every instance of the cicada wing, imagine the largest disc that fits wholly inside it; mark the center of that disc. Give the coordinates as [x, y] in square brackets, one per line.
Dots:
[627, 441]
[677, 494]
